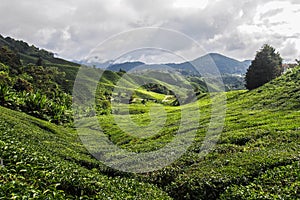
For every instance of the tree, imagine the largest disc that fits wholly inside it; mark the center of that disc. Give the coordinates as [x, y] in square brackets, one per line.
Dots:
[22, 85]
[121, 71]
[266, 66]
[39, 62]
[11, 59]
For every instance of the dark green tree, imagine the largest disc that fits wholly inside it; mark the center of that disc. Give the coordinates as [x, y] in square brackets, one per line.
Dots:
[22, 85]
[39, 62]
[266, 66]
[11, 59]
[121, 71]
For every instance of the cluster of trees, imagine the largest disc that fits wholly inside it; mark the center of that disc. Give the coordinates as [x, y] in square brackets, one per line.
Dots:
[33, 89]
[154, 87]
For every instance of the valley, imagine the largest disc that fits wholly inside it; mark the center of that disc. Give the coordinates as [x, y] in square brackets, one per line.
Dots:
[256, 155]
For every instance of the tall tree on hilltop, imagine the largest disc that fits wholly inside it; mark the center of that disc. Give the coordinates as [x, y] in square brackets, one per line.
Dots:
[266, 66]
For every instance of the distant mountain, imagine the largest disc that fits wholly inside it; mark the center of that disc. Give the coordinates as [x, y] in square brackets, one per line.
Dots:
[125, 66]
[204, 63]
[247, 62]
[95, 64]
[224, 64]
[232, 70]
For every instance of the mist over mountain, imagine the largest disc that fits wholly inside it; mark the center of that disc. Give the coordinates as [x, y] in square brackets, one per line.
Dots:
[205, 63]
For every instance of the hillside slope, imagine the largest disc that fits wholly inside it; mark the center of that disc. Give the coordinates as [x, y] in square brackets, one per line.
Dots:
[256, 156]
[29, 54]
[282, 93]
[44, 161]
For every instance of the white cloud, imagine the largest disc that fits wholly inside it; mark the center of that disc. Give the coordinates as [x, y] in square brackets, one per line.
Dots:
[235, 28]
[190, 4]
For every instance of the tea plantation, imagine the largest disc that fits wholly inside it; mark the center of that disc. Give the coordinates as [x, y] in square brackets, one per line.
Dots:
[256, 157]
[44, 161]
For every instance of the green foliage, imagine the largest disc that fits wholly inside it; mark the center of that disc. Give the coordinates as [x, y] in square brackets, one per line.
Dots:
[36, 90]
[266, 66]
[47, 79]
[260, 134]
[4, 67]
[233, 82]
[22, 85]
[56, 109]
[154, 87]
[278, 183]
[11, 59]
[17, 54]
[70, 75]
[279, 94]
[39, 62]
[5, 78]
[256, 156]
[7, 96]
[43, 161]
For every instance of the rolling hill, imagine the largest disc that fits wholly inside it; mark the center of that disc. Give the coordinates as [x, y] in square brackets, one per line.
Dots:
[257, 155]
[44, 161]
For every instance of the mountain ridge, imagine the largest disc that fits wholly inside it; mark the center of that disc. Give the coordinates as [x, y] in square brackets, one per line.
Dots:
[224, 64]
[31, 54]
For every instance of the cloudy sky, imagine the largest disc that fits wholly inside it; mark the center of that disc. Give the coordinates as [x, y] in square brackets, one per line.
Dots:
[236, 28]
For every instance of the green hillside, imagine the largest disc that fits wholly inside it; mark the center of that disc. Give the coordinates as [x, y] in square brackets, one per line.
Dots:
[44, 161]
[257, 156]
[258, 152]
[29, 54]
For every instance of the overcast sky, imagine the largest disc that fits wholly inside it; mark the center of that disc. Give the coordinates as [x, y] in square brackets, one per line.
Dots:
[235, 28]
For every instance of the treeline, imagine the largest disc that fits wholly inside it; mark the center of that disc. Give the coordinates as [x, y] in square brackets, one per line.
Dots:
[33, 89]
[30, 53]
